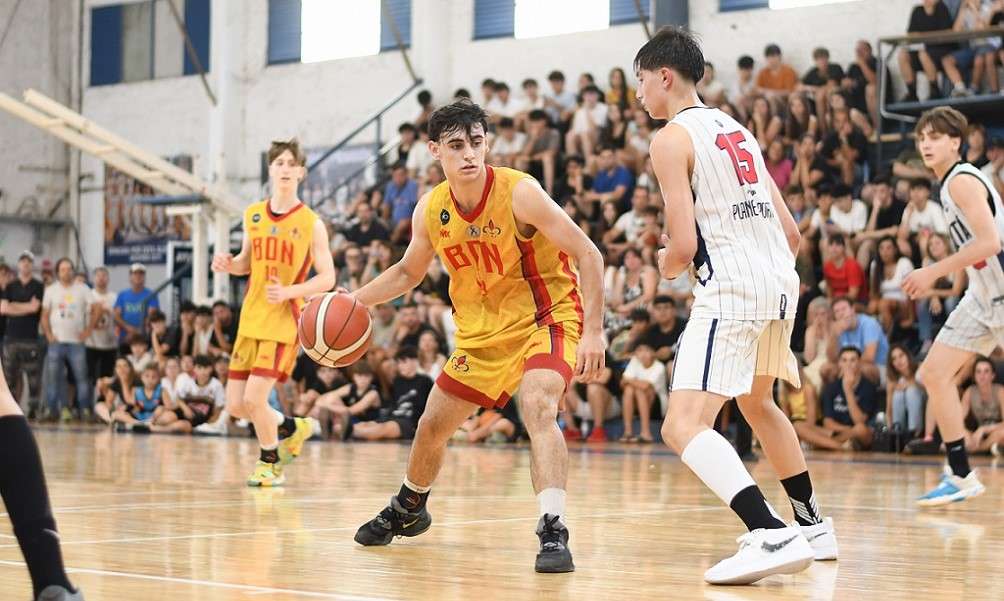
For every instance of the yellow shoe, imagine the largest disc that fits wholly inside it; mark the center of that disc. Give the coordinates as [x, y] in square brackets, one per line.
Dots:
[290, 447]
[266, 474]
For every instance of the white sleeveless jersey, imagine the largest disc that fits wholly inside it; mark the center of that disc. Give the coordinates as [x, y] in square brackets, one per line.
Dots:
[745, 269]
[986, 278]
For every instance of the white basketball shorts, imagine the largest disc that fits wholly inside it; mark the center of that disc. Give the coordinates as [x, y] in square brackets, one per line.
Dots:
[723, 355]
[968, 328]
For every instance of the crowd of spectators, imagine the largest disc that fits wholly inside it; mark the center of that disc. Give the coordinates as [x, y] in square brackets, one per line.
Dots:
[858, 336]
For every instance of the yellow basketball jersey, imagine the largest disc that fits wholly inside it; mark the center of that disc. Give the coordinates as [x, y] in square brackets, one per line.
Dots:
[280, 248]
[502, 284]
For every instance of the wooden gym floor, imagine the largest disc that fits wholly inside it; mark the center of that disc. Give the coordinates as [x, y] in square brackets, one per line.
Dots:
[163, 517]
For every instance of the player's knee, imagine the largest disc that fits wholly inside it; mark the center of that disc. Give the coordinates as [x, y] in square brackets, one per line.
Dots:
[538, 409]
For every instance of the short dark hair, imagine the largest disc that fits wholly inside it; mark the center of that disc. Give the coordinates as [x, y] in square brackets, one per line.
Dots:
[838, 239]
[841, 299]
[772, 50]
[663, 299]
[639, 314]
[462, 93]
[488, 81]
[424, 97]
[675, 48]
[529, 81]
[537, 115]
[840, 190]
[849, 349]
[221, 303]
[406, 352]
[203, 310]
[61, 261]
[157, 316]
[745, 62]
[501, 85]
[944, 120]
[882, 177]
[187, 306]
[151, 367]
[409, 305]
[138, 338]
[406, 127]
[555, 76]
[920, 182]
[575, 158]
[462, 115]
[362, 368]
[203, 361]
[506, 122]
[820, 53]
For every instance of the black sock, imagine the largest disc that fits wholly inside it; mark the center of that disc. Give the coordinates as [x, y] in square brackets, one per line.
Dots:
[287, 427]
[803, 501]
[22, 485]
[958, 460]
[270, 455]
[752, 509]
[911, 88]
[412, 501]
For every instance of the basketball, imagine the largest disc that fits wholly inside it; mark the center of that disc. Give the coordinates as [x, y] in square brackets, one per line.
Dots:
[335, 329]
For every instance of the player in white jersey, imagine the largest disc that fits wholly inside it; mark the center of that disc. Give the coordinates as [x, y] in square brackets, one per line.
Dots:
[975, 216]
[726, 217]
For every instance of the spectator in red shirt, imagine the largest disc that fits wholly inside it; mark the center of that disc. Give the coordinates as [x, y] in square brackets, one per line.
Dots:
[843, 274]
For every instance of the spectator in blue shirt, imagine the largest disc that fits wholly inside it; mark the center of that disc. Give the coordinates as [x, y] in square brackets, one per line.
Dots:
[400, 197]
[612, 181]
[862, 332]
[129, 314]
[849, 403]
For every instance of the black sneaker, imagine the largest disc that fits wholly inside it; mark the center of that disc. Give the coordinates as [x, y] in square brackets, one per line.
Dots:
[554, 556]
[393, 521]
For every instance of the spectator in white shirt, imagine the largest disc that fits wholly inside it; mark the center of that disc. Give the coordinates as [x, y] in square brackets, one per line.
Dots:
[503, 104]
[197, 401]
[630, 224]
[922, 217]
[848, 214]
[419, 157]
[507, 144]
[559, 102]
[888, 300]
[742, 90]
[532, 100]
[711, 90]
[66, 324]
[643, 381]
[587, 122]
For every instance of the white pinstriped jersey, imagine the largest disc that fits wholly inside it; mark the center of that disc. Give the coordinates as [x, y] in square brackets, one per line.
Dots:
[745, 269]
[986, 278]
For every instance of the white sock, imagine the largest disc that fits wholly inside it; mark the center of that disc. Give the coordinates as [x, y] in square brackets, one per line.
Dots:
[552, 501]
[419, 489]
[716, 463]
[270, 447]
[279, 417]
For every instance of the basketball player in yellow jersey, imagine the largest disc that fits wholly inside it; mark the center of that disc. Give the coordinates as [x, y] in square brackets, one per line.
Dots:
[282, 239]
[514, 258]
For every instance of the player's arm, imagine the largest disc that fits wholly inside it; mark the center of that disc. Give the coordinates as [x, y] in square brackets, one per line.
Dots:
[239, 265]
[407, 273]
[971, 197]
[324, 268]
[672, 152]
[532, 205]
[788, 223]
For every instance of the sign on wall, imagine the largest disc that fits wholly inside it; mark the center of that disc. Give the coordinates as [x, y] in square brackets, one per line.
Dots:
[136, 232]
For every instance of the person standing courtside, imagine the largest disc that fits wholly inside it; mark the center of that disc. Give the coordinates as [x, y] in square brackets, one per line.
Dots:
[22, 347]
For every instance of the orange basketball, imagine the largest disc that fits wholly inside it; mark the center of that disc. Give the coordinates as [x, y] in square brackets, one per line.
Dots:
[335, 329]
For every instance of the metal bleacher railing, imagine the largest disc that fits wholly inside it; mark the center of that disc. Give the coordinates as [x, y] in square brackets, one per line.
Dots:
[985, 107]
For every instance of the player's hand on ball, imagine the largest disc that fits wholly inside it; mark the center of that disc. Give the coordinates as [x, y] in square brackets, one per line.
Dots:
[275, 292]
[918, 283]
[590, 358]
[221, 262]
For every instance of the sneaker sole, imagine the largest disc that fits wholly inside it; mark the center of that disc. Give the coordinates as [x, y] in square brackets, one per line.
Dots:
[391, 537]
[792, 567]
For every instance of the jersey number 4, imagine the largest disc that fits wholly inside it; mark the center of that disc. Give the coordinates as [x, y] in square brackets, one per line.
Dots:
[742, 160]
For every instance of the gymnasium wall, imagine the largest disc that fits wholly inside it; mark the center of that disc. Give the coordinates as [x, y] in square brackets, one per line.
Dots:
[321, 102]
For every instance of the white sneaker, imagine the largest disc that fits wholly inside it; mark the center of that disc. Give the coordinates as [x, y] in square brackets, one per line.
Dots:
[822, 538]
[763, 553]
[217, 428]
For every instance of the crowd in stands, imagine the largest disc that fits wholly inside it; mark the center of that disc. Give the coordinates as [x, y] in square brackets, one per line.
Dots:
[863, 230]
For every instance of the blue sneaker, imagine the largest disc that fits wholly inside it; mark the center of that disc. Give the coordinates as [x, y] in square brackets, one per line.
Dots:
[952, 489]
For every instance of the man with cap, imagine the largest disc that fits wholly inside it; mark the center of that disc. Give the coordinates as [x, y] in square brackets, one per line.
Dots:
[129, 313]
[22, 348]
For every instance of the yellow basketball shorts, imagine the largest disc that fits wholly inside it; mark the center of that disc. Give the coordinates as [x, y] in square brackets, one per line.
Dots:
[490, 376]
[265, 358]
